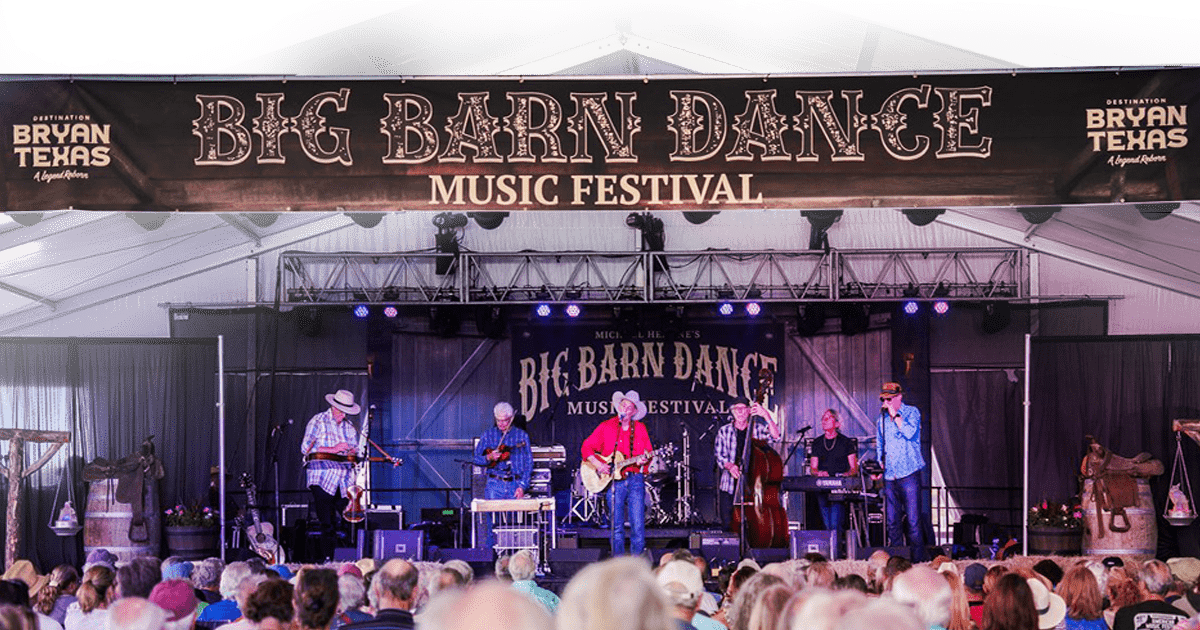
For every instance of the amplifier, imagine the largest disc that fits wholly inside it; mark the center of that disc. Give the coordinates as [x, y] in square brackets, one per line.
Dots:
[720, 547]
[398, 544]
[385, 517]
[822, 541]
[293, 513]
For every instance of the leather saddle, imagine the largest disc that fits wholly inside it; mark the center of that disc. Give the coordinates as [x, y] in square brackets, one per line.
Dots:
[130, 472]
[1114, 483]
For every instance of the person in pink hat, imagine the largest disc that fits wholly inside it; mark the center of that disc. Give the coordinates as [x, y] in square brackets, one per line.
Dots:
[177, 598]
[330, 439]
[624, 433]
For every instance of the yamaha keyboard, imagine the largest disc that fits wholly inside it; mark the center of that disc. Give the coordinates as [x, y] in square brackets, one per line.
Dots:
[812, 483]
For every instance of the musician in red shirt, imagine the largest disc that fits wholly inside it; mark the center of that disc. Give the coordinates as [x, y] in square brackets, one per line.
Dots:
[624, 434]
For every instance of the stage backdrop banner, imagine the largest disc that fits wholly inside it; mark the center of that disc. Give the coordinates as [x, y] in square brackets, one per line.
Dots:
[682, 143]
[565, 376]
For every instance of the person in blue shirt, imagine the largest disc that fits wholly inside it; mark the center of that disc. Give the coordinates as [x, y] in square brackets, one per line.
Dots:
[504, 453]
[898, 449]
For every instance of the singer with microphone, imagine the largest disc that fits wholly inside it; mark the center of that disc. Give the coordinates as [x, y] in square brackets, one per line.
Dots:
[624, 434]
[833, 455]
[899, 451]
[729, 448]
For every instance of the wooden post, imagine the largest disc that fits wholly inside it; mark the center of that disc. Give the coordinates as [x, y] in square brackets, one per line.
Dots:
[16, 472]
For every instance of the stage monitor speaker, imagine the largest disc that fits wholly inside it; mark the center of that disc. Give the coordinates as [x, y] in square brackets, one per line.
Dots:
[385, 517]
[864, 553]
[822, 541]
[720, 547]
[482, 561]
[566, 562]
[293, 513]
[769, 555]
[346, 554]
[390, 543]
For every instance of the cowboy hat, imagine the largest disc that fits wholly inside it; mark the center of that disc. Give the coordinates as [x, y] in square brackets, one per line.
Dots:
[23, 570]
[343, 400]
[633, 397]
[1051, 608]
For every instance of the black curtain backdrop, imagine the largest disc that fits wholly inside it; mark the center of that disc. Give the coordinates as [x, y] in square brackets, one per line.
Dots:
[977, 438]
[1124, 391]
[111, 394]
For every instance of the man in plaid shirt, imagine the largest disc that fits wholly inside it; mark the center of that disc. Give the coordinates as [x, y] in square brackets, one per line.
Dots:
[730, 445]
[332, 433]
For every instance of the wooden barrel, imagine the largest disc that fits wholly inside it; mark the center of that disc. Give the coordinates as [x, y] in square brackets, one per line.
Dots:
[106, 521]
[1140, 540]
[192, 543]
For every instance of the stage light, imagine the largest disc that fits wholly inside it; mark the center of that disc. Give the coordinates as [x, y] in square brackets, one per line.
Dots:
[911, 307]
[753, 309]
[820, 222]
[573, 310]
[654, 239]
[725, 308]
[542, 310]
[390, 312]
[361, 311]
[941, 290]
[941, 307]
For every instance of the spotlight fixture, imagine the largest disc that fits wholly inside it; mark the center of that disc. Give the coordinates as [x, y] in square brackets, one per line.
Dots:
[390, 312]
[573, 310]
[1036, 215]
[820, 221]
[366, 219]
[542, 310]
[941, 290]
[26, 219]
[941, 307]
[488, 220]
[753, 309]
[446, 240]
[651, 227]
[361, 311]
[149, 221]
[261, 219]
[725, 309]
[1156, 211]
[911, 307]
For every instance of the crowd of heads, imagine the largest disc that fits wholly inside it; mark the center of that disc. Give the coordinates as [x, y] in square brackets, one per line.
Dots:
[681, 591]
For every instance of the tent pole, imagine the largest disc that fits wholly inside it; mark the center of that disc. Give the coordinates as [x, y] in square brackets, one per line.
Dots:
[1025, 453]
[221, 435]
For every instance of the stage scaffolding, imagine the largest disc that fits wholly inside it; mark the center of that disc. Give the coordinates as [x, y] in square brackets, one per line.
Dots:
[993, 274]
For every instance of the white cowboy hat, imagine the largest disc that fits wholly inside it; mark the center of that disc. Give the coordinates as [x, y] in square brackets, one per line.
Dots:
[343, 400]
[632, 396]
[1051, 607]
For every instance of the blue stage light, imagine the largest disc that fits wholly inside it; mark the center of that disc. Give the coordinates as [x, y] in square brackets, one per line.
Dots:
[543, 310]
[361, 311]
[725, 309]
[911, 307]
[573, 310]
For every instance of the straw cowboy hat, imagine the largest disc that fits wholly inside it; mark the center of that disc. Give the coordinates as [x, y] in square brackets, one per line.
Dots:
[632, 396]
[343, 400]
[23, 570]
[1051, 608]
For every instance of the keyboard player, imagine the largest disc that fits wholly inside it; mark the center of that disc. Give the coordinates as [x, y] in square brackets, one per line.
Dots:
[833, 455]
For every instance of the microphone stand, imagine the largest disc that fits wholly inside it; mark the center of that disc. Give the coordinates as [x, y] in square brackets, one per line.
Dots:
[796, 445]
[278, 431]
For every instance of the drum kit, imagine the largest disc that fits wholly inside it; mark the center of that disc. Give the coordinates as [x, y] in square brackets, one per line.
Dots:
[669, 500]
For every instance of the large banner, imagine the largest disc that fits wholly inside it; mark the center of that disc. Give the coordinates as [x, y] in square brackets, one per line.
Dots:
[704, 143]
[565, 376]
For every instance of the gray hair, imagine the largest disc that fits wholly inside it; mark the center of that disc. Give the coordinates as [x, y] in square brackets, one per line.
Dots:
[135, 613]
[246, 588]
[820, 609]
[743, 603]
[207, 573]
[350, 590]
[482, 605]
[616, 593]
[503, 409]
[522, 565]
[1156, 576]
[927, 592]
[462, 567]
[231, 577]
[881, 612]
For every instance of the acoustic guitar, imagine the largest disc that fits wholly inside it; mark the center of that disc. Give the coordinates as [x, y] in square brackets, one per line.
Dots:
[261, 535]
[596, 482]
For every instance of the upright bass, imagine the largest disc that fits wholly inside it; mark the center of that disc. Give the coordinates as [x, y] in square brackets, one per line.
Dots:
[762, 474]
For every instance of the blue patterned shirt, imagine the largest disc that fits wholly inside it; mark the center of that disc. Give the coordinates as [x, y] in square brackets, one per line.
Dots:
[323, 430]
[903, 443]
[726, 448]
[542, 596]
[520, 460]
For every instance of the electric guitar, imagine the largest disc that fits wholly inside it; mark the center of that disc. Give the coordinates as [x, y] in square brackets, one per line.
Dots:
[260, 534]
[596, 482]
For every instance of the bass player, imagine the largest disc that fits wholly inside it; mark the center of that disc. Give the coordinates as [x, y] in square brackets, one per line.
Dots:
[627, 435]
[730, 447]
[333, 434]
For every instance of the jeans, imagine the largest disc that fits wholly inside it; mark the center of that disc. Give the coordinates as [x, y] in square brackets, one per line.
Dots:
[496, 489]
[903, 496]
[833, 513]
[627, 497]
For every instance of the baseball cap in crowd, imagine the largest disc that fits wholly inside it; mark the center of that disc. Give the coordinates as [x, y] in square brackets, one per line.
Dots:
[973, 576]
[101, 557]
[890, 389]
[178, 571]
[1186, 570]
[176, 597]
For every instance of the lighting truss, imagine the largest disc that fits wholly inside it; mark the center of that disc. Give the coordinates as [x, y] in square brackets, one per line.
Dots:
[657, 277]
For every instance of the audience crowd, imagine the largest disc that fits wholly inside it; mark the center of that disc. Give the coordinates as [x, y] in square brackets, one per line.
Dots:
[681, 593]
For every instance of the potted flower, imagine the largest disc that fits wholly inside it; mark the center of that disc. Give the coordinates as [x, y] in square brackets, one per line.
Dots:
[191, 531]
[1056, 528]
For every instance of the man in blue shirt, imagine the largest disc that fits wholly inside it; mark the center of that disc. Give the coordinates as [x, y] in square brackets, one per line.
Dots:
[899, 451]
[504, 453]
